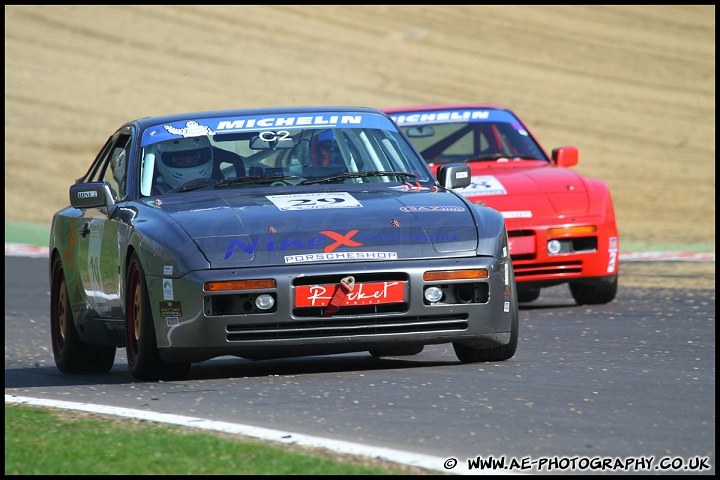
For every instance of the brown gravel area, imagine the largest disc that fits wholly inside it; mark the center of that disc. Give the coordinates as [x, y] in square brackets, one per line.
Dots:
[632, 86]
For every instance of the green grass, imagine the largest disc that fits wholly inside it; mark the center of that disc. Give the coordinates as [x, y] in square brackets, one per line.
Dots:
[27, 233]
[42, 441]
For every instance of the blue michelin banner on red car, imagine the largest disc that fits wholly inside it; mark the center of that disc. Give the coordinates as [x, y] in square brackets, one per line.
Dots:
[449, 116]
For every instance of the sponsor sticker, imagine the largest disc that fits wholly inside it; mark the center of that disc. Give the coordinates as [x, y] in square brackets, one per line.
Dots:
[517, 214]
[453, 116]
[170, 309]
[195, 127]
[314, 201]
[320, 257]
[483, 185]
[613, 245]
[432, 208]
[612, 261]
[168, 289]
[372, 293]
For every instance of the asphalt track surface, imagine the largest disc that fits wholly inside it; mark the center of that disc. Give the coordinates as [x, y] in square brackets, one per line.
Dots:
[631, 383]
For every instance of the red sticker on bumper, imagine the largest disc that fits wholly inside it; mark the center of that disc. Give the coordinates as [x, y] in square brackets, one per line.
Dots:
[362, 294]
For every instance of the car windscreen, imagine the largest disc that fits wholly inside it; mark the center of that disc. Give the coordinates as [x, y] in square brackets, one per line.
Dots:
[296, 150]
[461, 136]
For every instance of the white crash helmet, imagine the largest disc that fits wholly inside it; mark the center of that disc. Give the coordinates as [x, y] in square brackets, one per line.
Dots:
[184, 159]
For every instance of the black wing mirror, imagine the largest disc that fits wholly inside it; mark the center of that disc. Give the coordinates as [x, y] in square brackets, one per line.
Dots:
[454, 175]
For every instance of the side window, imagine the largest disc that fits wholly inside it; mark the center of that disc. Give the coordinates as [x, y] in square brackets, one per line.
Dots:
[114, 166]
[94, 173]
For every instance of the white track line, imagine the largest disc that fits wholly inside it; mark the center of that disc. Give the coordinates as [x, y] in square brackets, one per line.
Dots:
[388, 454]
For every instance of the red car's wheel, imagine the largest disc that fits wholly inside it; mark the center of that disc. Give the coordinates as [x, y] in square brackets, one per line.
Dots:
[71, 354]
[594, 294]
[142, 353]
[528, 294]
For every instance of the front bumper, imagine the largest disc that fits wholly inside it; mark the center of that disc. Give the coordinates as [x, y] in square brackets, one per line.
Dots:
[194, 325]
[579, 256]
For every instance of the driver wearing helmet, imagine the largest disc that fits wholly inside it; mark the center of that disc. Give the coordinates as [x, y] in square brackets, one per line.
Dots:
[325, 151]
[182, 160]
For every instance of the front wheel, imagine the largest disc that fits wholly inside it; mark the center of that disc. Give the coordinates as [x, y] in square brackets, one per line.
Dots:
[72, 355]
[397, 351]
[470, 354]
[142, 352]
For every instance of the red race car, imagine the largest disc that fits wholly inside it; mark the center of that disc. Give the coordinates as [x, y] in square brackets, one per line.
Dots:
[561, 224]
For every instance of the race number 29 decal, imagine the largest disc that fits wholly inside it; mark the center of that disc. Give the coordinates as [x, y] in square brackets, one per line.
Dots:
[313, 201]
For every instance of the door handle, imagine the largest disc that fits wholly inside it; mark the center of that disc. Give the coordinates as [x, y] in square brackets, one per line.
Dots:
[84, 230]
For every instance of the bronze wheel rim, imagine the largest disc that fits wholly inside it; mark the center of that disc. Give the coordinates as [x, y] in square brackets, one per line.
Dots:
[134, 313]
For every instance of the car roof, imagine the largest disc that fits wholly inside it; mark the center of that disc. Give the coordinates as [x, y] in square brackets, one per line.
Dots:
[149, 121]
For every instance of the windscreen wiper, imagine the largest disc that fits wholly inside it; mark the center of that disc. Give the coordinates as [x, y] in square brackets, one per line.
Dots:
[196, 185]
[255, 179]
[346, 175]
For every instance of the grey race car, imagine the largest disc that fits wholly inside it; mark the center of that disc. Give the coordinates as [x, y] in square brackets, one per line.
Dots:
[273, 233]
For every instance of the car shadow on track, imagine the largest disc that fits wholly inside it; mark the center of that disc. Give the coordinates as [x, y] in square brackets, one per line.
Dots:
[231, 367]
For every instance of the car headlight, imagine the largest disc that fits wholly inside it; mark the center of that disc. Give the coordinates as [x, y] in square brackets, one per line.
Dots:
[433, 294]
[264, 302]
[553, 246]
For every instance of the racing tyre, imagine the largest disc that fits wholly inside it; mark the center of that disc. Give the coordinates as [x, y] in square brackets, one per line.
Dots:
[72, 355]
[399, 351]
[469, 354]
[142, 352]
[528, 294]
[594, 294]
